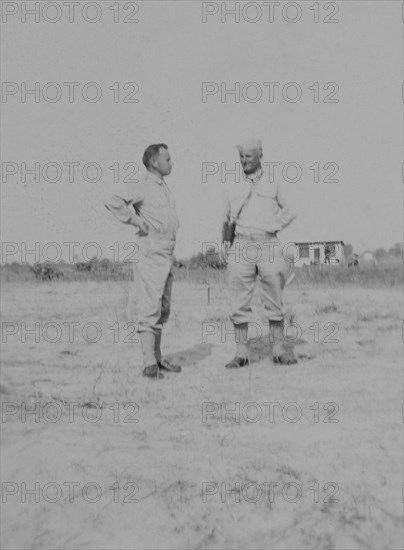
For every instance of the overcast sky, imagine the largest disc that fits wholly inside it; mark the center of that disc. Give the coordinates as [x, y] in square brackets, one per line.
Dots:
[169, 53]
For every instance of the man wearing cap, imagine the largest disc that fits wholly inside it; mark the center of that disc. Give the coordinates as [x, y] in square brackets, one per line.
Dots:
[256, 253]
[149, 206]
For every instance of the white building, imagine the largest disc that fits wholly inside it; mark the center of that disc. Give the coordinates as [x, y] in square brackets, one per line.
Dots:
[319, 253]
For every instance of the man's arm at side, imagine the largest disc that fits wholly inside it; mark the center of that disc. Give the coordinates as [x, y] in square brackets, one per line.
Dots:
[224, 209]
[286, 214]
[224, 214]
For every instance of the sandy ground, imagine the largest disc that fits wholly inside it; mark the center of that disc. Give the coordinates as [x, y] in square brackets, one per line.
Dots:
[158, 464]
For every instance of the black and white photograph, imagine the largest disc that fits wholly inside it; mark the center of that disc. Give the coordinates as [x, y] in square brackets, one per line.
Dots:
[202, 274]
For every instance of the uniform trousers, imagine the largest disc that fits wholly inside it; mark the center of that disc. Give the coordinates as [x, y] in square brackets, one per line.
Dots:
[250, 258]
[153, 279]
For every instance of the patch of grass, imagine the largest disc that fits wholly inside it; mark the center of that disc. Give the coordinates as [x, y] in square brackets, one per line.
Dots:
[329, 308]
[389, 274]
[385, 275]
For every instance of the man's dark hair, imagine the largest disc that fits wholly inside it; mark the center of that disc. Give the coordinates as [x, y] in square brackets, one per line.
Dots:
[151, 152]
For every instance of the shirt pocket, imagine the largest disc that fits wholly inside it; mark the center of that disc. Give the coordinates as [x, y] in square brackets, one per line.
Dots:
[236, 201]
[157, 200]
[267, 193]
[267, 200]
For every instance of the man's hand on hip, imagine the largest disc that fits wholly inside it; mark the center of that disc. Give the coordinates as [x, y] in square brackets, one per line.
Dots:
[143, 229]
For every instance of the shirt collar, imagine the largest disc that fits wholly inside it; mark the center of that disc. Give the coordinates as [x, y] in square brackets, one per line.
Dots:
[252, 177]
[154, 177]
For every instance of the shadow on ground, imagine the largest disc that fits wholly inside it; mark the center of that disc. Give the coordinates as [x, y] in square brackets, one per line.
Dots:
[191, 356]
[261, 349]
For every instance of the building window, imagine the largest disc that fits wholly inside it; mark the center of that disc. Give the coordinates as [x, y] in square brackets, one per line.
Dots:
[329, 249]
[304, 251]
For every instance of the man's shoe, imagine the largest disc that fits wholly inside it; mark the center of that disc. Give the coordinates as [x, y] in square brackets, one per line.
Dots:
[237, 362]
[283, 355]
[168, 366]
[152, 371]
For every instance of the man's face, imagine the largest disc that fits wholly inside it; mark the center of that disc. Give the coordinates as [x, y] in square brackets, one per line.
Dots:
[250, 160]
[162, 162]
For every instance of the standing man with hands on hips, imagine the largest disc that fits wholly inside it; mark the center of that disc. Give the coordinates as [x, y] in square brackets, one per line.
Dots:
[149, 206]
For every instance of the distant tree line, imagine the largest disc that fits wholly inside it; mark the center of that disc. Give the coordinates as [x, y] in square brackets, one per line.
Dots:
[91, 269]
[106, 269]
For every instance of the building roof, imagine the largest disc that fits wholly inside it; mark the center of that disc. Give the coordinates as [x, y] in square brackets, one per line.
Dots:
[317, 241]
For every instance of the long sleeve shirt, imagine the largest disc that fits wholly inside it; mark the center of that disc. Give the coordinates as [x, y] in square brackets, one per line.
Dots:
[266, 210]
[150, 201]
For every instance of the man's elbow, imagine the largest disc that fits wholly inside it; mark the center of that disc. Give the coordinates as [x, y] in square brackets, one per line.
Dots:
[291, 218]
[287, 218]
[110, 202]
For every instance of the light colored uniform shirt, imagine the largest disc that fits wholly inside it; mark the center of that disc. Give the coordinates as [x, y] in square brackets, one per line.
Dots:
[266, 211]
[151, 200]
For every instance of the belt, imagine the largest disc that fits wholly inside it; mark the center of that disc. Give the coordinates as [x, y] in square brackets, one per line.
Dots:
[257, 235]
[160, 236]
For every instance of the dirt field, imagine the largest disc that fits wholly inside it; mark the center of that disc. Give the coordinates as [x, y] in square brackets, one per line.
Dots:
[140, 464]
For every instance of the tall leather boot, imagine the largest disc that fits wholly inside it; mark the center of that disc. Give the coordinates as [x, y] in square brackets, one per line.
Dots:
[151, 368]
[165, 365]
[282, 352]
[157, 346]
[242, 347]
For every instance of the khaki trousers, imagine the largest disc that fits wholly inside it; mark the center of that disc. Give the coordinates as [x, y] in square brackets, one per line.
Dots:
[153, 280]
[250, 259]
